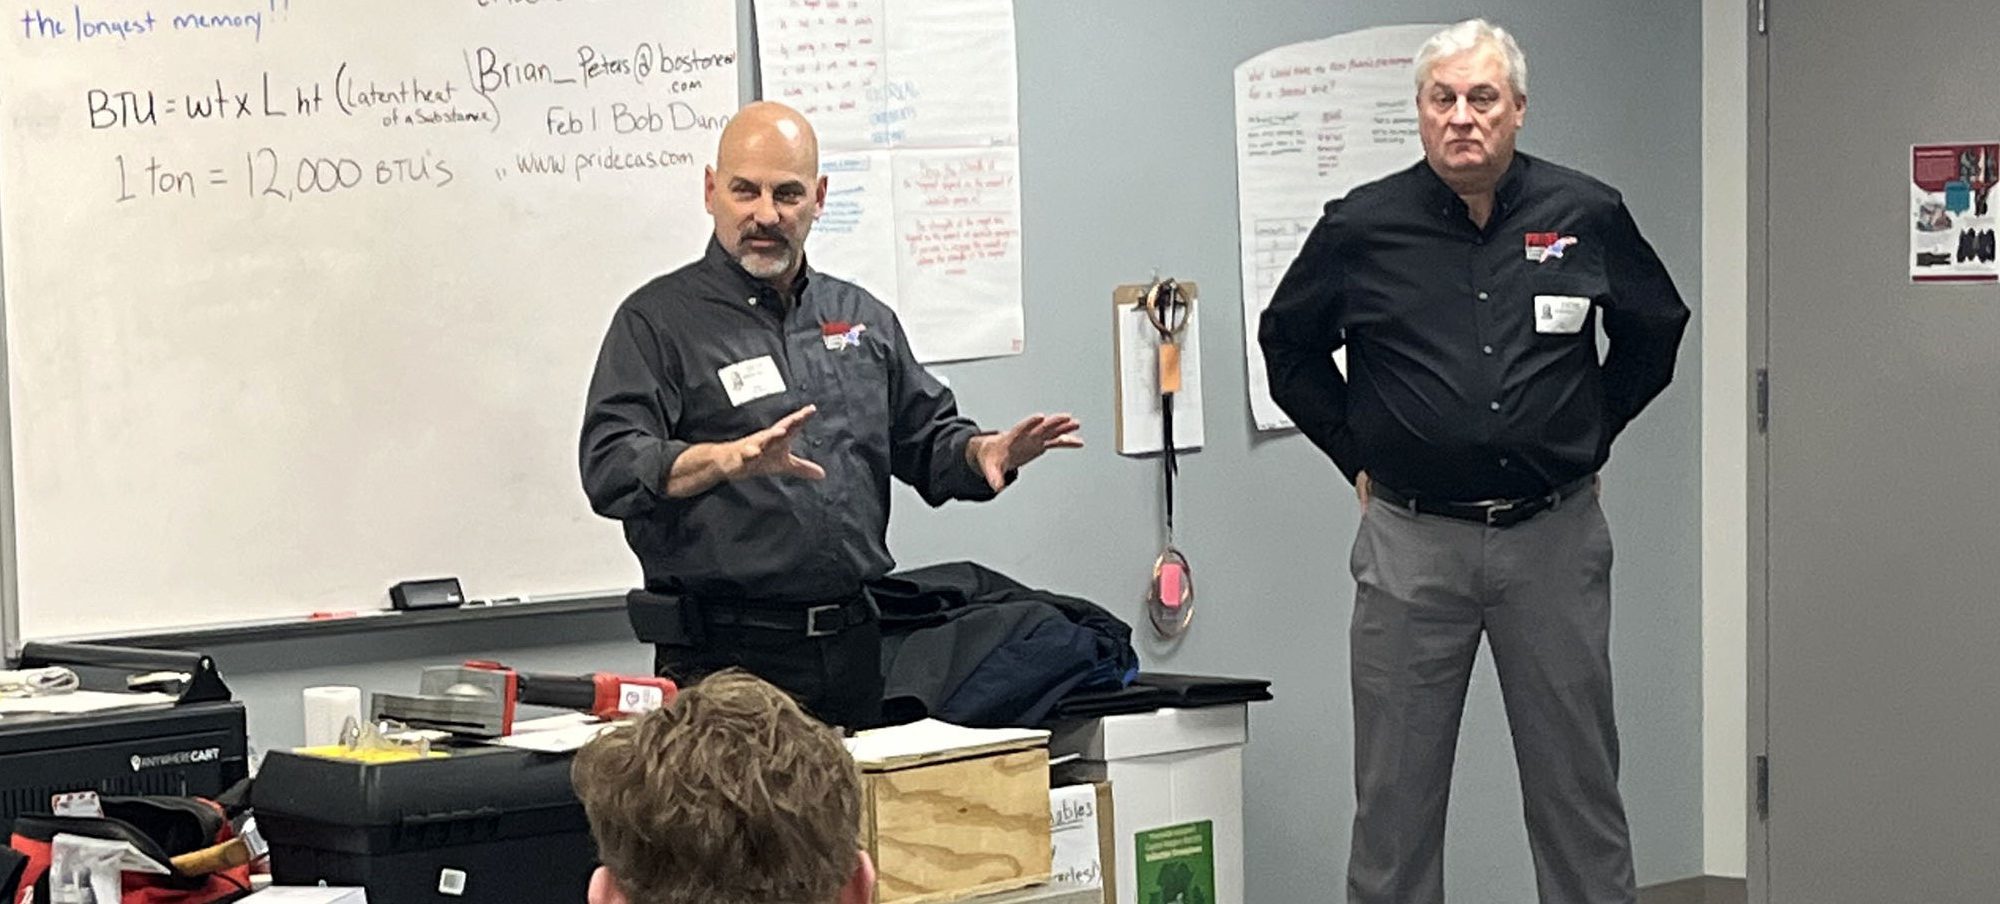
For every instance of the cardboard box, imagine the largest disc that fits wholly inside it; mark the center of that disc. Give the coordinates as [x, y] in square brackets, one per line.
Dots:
[1170, 768]
[945, 829]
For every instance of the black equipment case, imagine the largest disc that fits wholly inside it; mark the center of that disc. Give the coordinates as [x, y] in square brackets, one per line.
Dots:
[485, 825]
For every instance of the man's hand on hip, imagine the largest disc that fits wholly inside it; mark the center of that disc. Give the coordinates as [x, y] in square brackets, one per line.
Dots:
[995, 454]
[1361, 490]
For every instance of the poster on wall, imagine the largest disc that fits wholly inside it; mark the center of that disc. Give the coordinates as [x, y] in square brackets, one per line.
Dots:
[1313, 121]
[1176, 864]
[915, 105]
[1952, 222]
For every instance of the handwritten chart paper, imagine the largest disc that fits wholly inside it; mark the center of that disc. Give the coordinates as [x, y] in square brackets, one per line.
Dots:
[1313, 121]
[915, 104]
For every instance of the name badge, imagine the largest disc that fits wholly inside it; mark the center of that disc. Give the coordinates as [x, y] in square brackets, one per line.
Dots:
[748, 381]
[1560, 314]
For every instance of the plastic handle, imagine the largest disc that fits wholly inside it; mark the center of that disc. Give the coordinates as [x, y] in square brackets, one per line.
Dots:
[1170, 585]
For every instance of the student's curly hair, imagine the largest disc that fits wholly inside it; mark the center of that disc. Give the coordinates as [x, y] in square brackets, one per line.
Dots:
[730, 795]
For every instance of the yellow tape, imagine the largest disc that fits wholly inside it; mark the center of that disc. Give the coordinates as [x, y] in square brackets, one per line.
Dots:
[379, 755]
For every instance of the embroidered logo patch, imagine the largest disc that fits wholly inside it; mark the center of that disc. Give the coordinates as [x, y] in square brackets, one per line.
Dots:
[1546, 246]
[839, 334]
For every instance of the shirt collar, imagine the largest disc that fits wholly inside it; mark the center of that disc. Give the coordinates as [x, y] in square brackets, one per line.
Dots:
[1506, 195]
[718, 258]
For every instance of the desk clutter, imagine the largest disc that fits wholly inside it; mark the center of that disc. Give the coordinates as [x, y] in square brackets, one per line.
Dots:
[126, 776]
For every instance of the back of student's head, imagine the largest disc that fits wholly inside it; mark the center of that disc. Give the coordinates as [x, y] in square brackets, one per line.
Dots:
[730, 795]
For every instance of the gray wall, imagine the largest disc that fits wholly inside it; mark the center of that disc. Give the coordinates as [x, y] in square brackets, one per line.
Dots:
[1615, 90]
[1268, 523]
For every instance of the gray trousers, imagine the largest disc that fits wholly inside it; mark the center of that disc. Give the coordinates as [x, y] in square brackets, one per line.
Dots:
[1426, 588]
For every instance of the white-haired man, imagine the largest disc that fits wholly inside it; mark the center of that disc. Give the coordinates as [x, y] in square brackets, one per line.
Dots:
[1472, 420]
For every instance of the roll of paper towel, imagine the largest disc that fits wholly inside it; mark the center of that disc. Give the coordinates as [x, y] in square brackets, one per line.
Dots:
[327, 711]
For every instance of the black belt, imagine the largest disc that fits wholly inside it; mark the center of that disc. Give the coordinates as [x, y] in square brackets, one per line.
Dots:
[677, 619]
[1492, 512]
[816, 620]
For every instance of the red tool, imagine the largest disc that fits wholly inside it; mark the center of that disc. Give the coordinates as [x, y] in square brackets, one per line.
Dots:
[602, 694]
[478, 699]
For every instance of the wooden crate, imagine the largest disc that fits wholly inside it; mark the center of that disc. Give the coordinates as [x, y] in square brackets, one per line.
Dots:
[949, 830]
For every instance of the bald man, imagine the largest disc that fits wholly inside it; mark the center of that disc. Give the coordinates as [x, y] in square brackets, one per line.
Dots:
[744, 420]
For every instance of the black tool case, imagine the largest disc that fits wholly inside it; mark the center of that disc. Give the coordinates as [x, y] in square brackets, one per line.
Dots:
[486, 825]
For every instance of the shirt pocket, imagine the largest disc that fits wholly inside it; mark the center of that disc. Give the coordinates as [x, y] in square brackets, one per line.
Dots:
[861, 379]
[1562, 306]
[1561, 315]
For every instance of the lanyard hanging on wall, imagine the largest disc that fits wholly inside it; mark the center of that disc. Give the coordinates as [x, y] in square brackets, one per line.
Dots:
[1170, 604]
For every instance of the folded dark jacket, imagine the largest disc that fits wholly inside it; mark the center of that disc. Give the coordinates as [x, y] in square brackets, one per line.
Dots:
[969, 645]
[1157, 690]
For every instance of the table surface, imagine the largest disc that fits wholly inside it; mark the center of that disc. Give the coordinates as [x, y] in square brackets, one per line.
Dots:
[1053, 893]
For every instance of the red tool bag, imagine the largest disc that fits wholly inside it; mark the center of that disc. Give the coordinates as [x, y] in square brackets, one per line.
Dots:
[159, 827]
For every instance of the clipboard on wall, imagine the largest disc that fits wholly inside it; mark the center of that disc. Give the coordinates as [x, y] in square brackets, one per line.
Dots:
[1136, 363]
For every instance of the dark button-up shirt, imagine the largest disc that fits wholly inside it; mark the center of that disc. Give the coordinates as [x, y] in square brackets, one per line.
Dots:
[661, 386]
[1452, 391]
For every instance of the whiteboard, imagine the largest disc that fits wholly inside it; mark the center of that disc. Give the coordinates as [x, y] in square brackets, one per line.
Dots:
[302, 299]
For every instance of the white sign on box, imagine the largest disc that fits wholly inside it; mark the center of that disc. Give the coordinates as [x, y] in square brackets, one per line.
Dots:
[1073, 832]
